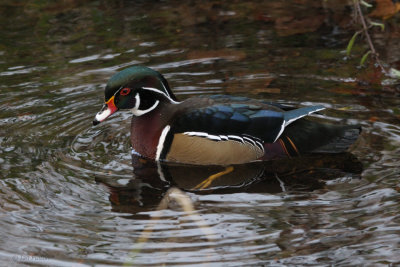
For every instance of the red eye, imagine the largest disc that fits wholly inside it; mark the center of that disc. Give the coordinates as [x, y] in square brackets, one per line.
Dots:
[125, 91]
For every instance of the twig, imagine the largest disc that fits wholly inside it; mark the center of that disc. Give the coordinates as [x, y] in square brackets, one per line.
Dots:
[366, 33]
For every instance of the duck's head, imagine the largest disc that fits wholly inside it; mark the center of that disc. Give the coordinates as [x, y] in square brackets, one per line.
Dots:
[138, 89]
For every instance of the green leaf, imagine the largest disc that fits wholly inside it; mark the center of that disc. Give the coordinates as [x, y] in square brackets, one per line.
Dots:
[351, 43]
[362, 2]
[394, 73]
[379, 24]
[364, 58]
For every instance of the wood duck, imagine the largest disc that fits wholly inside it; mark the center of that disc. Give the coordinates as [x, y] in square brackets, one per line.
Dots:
[218, 129]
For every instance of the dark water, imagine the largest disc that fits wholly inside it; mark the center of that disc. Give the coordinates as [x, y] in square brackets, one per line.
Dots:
[71, 194]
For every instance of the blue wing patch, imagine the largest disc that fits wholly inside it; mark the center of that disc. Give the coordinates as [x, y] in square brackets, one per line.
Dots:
[239, 117]
[266, 114]
[295, 114]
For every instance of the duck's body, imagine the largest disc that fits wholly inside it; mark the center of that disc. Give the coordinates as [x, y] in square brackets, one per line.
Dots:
[215, 130]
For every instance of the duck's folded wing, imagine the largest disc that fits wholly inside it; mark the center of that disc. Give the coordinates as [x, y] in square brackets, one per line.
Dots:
[225, 134]
[217, 121]
[230, 119]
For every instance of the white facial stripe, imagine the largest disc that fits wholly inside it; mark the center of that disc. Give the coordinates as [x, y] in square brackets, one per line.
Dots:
[155, 90]
[166, 91]
[161, 141]
[138, 112]
[137, 102]
[160, 92]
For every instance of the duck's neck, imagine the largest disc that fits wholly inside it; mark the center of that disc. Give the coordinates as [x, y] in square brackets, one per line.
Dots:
[147, 129]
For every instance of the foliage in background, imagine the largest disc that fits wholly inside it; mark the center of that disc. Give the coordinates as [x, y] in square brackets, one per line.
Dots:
[384, 10]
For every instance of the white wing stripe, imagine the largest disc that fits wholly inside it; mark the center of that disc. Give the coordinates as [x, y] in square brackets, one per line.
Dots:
[280, 131]
[236, 138]
[301, 116]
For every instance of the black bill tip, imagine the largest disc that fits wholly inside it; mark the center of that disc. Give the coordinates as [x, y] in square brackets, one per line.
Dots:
[95, 122]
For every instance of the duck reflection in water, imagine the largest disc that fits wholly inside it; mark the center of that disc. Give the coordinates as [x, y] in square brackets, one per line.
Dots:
[151, 180]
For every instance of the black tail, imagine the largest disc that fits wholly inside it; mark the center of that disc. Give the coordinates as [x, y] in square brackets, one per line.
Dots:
[306, 136]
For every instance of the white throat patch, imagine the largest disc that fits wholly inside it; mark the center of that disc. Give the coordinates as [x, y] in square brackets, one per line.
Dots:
[138, 112]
